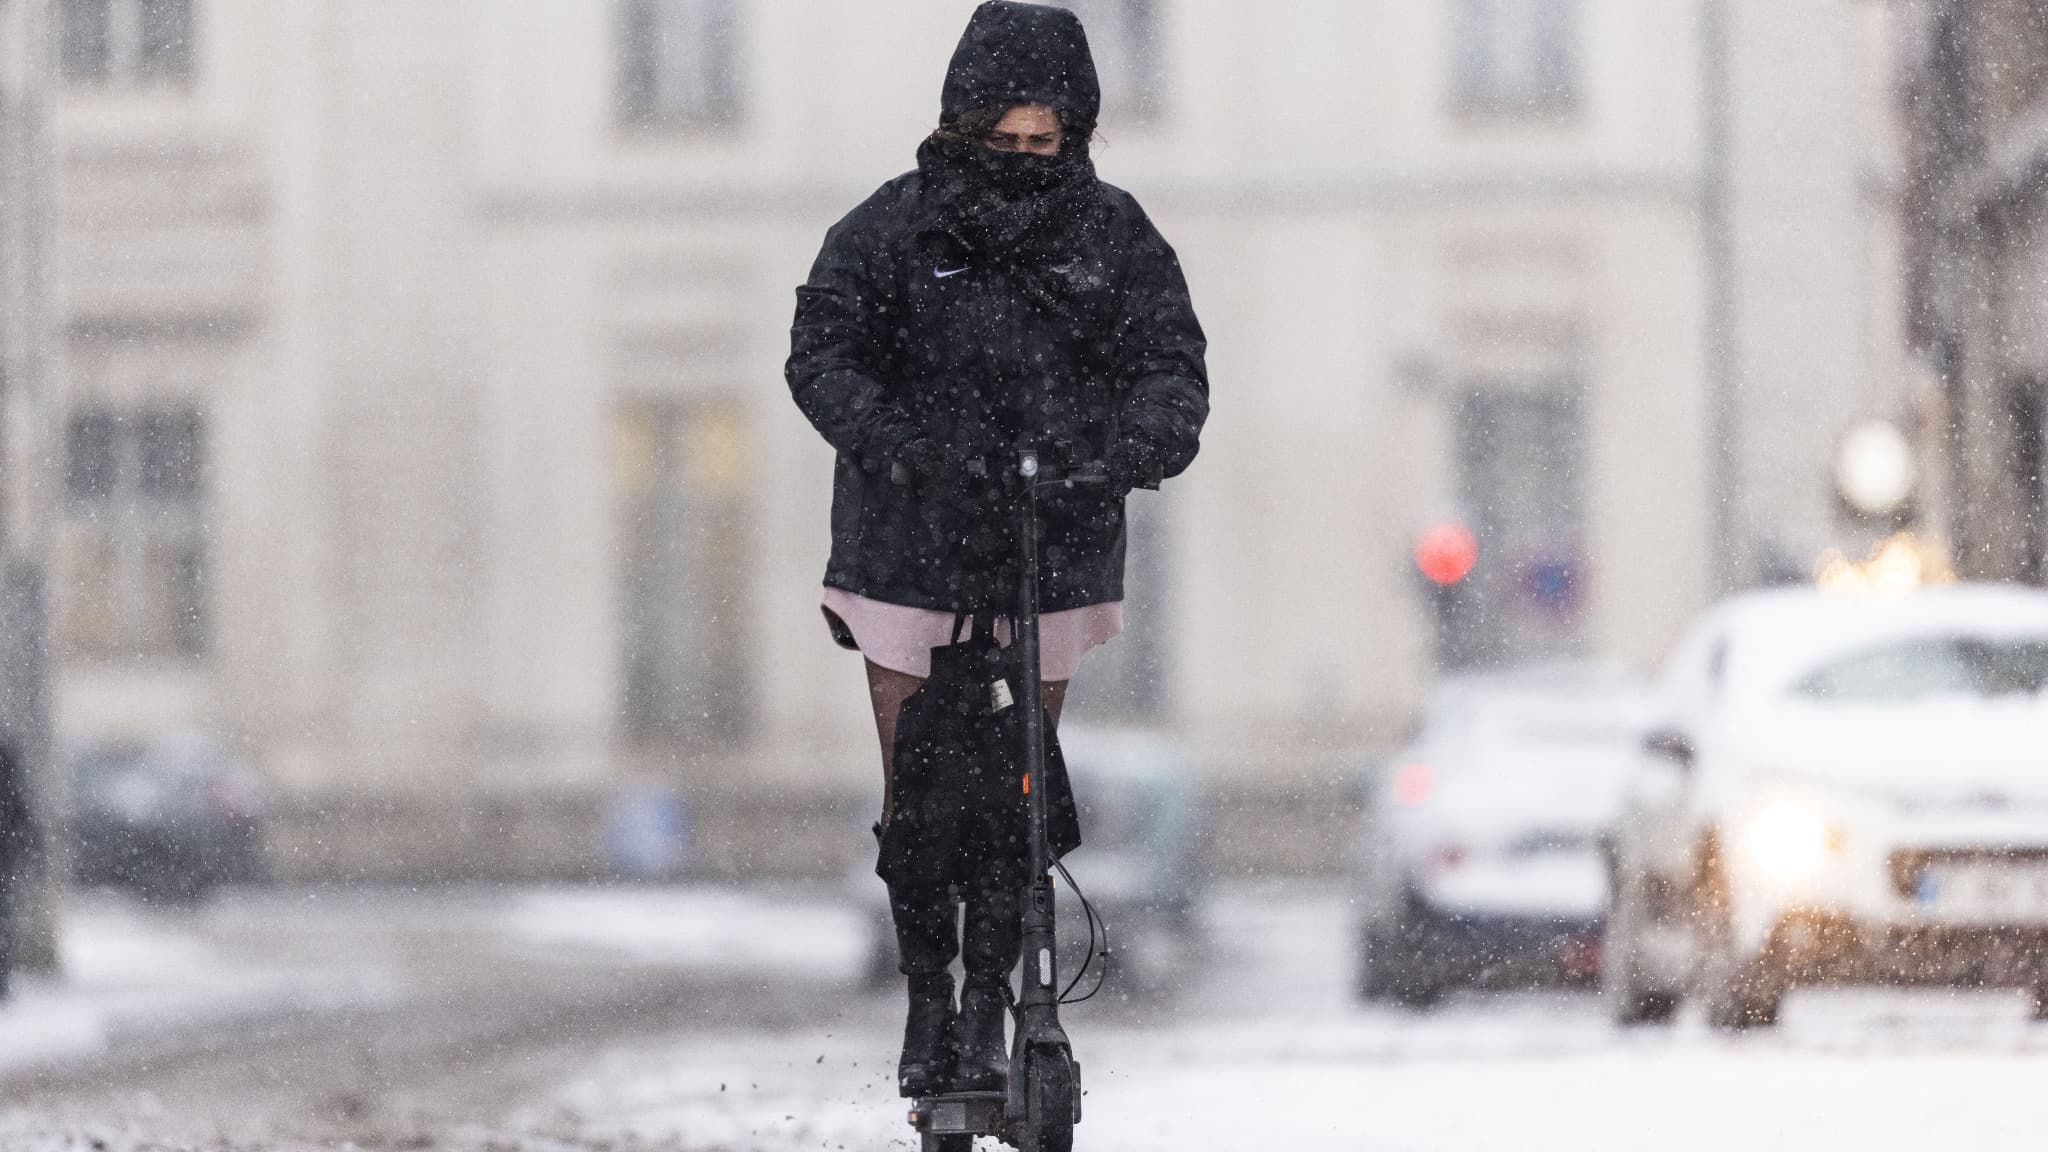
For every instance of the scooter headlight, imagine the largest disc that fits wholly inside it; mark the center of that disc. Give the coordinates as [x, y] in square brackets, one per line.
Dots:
[1787, 838]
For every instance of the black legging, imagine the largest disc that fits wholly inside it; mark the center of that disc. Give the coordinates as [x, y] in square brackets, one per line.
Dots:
[928, 934]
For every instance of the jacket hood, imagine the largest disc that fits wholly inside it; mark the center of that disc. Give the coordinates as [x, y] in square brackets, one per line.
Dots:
[1022, 53]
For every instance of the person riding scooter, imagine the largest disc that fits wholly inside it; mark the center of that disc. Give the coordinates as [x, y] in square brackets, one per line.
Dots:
[999, 295]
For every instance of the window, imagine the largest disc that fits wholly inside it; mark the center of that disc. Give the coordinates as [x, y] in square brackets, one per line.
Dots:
[1905, 670]
[89, 462]
[167, 443]
[133, 550]
[126, 42]
[1124, 36]
[1514, 58]
[1520, 453]
[682, 474]
[678, 66]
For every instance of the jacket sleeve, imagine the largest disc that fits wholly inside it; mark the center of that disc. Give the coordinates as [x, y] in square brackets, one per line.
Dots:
[1160, 356]
[844, 313]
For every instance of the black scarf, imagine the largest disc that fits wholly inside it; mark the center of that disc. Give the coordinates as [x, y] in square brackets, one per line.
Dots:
[1027, 213]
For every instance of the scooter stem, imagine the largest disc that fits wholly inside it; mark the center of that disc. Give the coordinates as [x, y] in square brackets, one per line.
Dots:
[1038, 1020]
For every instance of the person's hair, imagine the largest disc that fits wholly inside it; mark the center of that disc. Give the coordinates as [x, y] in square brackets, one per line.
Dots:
[974, 125]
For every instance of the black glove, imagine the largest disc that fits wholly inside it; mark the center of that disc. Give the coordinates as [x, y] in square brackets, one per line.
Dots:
[1133, 464]
[916, 460]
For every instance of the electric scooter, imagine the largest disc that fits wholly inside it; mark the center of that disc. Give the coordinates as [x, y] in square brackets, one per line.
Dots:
[1043, 1102]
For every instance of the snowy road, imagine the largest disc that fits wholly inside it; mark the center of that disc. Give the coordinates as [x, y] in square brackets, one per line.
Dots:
[700, 1020]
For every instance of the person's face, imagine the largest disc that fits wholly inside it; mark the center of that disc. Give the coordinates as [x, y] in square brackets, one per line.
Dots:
[1033, 128]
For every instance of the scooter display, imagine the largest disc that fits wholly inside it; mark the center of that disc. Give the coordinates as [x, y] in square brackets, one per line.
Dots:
[1042, 1104]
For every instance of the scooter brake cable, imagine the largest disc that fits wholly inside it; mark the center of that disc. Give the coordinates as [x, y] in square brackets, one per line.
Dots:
[1094, 920]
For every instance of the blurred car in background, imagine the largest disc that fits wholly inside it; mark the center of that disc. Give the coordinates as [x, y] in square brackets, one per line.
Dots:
[1139, 863]
[170, 819]
[1839, 788]
[1479, 861]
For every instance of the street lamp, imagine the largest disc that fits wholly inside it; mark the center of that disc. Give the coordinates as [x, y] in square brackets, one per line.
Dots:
[1874, 468]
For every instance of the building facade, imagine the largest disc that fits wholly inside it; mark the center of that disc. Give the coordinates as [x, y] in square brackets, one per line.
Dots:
[426, 436]
[1974, 94]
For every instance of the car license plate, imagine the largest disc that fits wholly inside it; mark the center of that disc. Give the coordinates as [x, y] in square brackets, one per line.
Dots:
[1984, 893]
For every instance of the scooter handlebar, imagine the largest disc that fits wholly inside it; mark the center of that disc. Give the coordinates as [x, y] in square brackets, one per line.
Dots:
[1028, 465]
[1093, 472]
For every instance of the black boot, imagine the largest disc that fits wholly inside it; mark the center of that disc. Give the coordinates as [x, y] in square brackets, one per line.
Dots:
[981, 1062]
[927, 1064]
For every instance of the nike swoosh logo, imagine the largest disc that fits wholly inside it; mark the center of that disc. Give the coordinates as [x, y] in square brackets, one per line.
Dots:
[942, 273]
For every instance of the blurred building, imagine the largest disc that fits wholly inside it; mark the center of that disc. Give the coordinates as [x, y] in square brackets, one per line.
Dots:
[1974, 86]
[427, 434]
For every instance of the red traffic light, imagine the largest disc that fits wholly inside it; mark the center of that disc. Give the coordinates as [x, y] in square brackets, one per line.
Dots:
[1447, 552]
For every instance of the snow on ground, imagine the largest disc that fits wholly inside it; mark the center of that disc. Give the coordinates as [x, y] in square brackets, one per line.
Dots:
[1261, 1047]
[1513, 1090]
[1269, 1051]
[129, 968]
[126, 967]
[794, 933]
[117, 966]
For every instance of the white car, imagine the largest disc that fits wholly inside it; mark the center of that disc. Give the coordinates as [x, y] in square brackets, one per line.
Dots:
[1840, 788]
[1479, 858]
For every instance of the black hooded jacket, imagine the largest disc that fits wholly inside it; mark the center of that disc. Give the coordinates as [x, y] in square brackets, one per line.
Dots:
[946, 323]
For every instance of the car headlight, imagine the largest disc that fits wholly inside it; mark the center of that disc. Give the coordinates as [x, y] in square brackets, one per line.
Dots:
[1786, 838]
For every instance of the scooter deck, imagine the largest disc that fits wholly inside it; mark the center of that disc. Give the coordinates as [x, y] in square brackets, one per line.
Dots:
[960, 1113]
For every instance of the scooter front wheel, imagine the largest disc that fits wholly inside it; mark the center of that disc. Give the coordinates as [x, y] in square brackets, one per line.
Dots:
[949, 1142]
[1050, 1102]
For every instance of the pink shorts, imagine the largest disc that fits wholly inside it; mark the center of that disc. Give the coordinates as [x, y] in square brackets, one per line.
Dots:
[901, 638]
